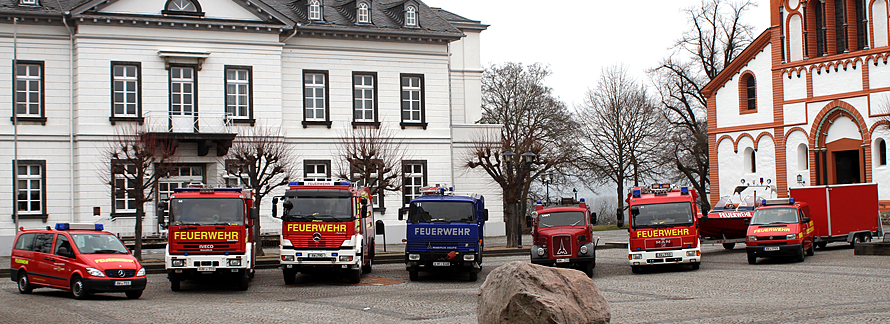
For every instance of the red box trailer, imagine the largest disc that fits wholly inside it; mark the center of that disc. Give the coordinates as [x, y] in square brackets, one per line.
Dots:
[842, 213]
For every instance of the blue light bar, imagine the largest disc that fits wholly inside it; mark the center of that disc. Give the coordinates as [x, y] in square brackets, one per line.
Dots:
[684, 190]
[345, 183]
[333, 254]
[79, 226]
[538, 202]
[636, 193]
[763, 202]
[581, 200]
[229, 189]
[293, 183]
[791, 200]
[61, 226]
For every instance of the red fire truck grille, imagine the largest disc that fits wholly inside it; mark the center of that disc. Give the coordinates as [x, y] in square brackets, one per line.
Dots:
[562, 245]
[663, 243]
[326, 242]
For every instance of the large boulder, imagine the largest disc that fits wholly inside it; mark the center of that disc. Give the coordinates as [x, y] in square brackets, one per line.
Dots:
[521, 292]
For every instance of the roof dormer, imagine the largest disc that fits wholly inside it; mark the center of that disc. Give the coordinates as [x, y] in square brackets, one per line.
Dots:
[363, 12]
[411, 15]
[406, 14]
[314, 10]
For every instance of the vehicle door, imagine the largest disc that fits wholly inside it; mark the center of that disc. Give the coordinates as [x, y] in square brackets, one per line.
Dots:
[23, 253]
[46, 273]
[805, 229]
[65, 262]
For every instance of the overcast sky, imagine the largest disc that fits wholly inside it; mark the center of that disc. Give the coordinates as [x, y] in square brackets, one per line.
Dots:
[578, 38]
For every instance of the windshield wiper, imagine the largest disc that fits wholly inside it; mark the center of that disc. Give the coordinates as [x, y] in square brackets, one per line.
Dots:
[576, 223]
[307, 217]
[109, 252]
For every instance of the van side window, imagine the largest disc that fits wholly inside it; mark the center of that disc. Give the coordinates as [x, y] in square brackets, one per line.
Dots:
[43, 243]
[25, 242]
[62, 242]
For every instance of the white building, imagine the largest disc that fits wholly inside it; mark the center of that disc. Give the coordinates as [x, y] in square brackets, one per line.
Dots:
[315, 68]
[807, 102]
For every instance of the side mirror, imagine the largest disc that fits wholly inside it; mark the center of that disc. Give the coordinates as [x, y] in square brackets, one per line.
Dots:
[364, 201]
[747, 222]
[402, 212]
[593, 218]
[379, 229]
[364, 210]
[635, 210]
[275, 207]
[254, 213]
[804, 219]
[63, 251]
[288, 205]
[485, 215]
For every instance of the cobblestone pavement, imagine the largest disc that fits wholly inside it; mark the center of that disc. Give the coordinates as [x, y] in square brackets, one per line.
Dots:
[831, 287]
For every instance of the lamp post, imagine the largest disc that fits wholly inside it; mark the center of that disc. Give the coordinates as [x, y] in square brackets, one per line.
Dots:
[547, 180]
[575, 191]
[524, 163]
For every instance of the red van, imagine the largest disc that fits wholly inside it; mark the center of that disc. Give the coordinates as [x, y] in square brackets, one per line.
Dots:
[81, 258]
[780, 227]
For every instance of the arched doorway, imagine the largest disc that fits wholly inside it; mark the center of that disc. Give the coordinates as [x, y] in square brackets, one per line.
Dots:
[840, 146]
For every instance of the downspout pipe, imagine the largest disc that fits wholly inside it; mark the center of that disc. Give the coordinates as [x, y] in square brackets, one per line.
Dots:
[71, 150]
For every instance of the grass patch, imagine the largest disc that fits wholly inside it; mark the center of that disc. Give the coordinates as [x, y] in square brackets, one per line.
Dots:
[607, 227]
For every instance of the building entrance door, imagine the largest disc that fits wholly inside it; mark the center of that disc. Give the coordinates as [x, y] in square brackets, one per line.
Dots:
[846, 166]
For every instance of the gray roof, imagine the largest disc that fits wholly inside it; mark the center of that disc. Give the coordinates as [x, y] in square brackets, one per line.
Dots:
[46, 7]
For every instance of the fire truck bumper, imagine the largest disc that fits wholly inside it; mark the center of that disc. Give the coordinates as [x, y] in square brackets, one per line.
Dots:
[342, 259]
[642, 258]
[774, 250]
[432, 261]
[196, 265]
[114, 285]
[563, 261]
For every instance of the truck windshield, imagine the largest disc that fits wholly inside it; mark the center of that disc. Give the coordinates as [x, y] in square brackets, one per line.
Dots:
[207, 211]
[766, 216]
[664, 215]
[441, 212]
[571, 218]
[325, 209]
[98, 244]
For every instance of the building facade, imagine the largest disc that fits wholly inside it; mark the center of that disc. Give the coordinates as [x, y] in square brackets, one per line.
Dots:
[807, 103]
[200, 72]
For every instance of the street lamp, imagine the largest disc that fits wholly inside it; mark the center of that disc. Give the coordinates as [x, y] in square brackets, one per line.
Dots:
[575, 191]
[525, 163]
[547, 180]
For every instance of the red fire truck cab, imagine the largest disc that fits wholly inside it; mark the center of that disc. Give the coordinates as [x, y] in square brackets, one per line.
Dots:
[563, 237]
[326, 225]
[210, 232]
[663, 227]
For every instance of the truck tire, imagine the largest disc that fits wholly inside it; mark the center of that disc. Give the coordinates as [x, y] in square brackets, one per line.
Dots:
[856, 240]
[290, 276]
[412, 275]
[175, 284]
[635, 269]
[24, 284]
[728, 246]
[802, 255]
[474, 276]
[822, 245]
[134, 294]
[77, 288]
[367, 268]
[588, 269]
[355, 276]
[696, 265]
[244, 280]
[812, 250]
[752, 259]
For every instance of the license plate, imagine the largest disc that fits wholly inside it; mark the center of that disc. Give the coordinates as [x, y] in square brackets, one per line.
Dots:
[562, 260]
[123, 283]
[441, 264]
[771, 248]
[664, 255]
[205, 269]
[316, 255]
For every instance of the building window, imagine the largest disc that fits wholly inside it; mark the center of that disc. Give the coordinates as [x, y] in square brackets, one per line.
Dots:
[882, 152]
[411, 16]
[183, 98]
[803, 161]
[29, 92]
[235, 177]
[821, 30]
[750, 160]
[314, 10]
[124, 189]
[840, 26]
[364, 97]
[363, 14]
[413, 111]
[126, 94]
[747, 93]
[861, 26]
[317, 170]
[751, 91]
[315, 98]
[413, 178]
[239, 93]
[183, 7]
[30, 176]
[28, 2]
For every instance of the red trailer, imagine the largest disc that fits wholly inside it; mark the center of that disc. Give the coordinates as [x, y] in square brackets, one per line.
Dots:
[842, 213]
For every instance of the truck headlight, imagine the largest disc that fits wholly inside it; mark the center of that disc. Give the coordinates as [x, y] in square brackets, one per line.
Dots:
[234, 262]
[287, 258]
[140, 273]
[636, 256]
[790, 236]
[541, 251]
[583, 249]
[95, 272]
[752, 238]
[469, 257]
[286, 242]
[690, 253]
[413, 256]
[345, 258]
[178, 263]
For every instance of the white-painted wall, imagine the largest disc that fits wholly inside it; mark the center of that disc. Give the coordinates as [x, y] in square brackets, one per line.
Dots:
[728, 95]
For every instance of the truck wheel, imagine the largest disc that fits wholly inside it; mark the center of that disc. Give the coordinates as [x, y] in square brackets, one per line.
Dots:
[636, 269]
[244, 280]
[412, 275]
[24, 284]
[728, 246]
[588, 269]
[812, 250]
[290, 276]
[175, 284]
[752, 259]
[802, 255]
[135, 294]
[355, 276]
[696, 265]
[77, 288]
[367, 268]
[822, 245]
[474, 276]
[856, 240]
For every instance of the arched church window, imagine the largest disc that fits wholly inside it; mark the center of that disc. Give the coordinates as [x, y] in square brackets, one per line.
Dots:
[750, 160]
[882, 151]
[803, 160]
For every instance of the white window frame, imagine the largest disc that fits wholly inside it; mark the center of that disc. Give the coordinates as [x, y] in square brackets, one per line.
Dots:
[414, 181]
[238, 93]
[310, 90]
[30, 183]
[363, 103]
[412, 99]
[129, 90]
[411, 16]
[124, 181]
[364, 15]
[181, 81]
[28, 2]
[314, 10]
[33, 86]
[311, 171]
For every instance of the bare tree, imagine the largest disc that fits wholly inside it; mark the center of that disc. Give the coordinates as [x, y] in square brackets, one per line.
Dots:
[534, 122]
[621, 132]
[138, 158]
[262, 161]
[716, 37]
[372, 157]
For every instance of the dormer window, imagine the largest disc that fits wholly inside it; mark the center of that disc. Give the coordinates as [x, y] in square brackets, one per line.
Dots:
[28, 3]
[411, 16]
[314, 10]
[183, 7]
[364, 15]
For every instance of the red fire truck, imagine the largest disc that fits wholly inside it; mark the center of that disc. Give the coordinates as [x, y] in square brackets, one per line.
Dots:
[663, 227]
[563, 237]
[326, 225]
[780, 227]
[210, 232]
